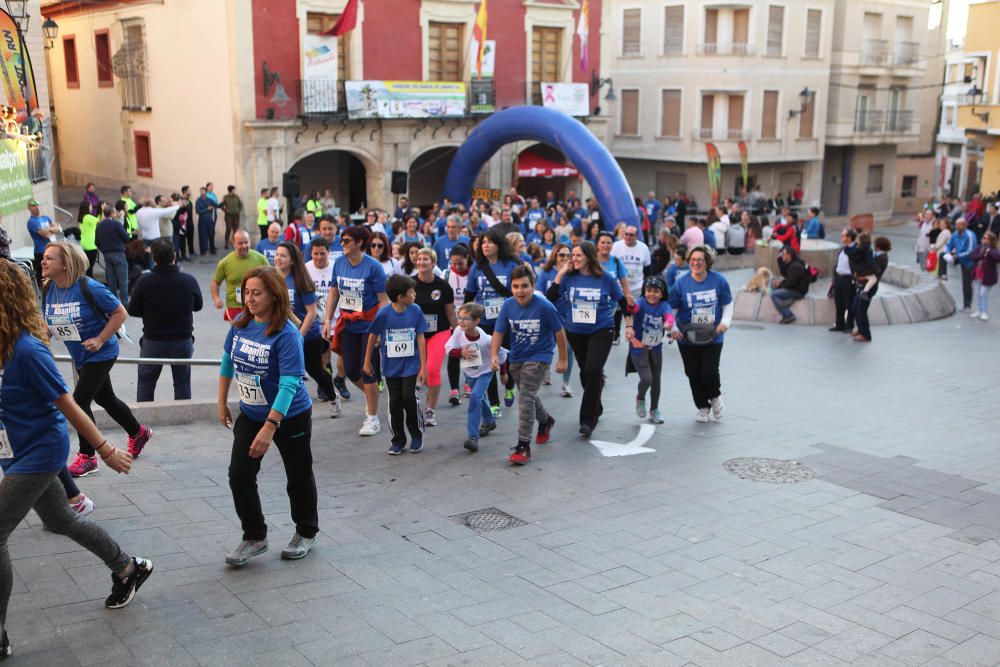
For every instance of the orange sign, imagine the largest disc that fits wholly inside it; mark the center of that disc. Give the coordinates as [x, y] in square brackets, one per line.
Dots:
[15, 69]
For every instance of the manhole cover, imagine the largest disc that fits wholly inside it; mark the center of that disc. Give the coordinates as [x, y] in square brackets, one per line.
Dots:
[488, 520]
[772, 471]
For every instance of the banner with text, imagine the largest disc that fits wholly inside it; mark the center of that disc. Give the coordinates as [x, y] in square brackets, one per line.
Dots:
[714, 166]
[15, 69]
[15, 187]
[570, 98]
[319, 74]
[405, 99]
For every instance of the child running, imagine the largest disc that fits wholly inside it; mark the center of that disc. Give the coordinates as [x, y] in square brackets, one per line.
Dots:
[398, 331]
[535, 329]
[654, 317]
[470, 347]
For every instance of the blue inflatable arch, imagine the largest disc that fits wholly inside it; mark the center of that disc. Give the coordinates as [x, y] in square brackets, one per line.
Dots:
[555, 129]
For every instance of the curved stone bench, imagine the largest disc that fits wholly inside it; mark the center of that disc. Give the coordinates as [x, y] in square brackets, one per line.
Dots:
[924, 298]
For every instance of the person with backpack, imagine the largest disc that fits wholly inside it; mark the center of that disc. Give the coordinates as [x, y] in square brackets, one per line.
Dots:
[85, 315]
[793, 284]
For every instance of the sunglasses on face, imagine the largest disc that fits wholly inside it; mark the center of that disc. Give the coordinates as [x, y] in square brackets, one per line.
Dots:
[378, 245]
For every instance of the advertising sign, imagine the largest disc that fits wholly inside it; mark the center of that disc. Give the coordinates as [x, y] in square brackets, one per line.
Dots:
[15, 70]
[319, 74]
[405, 99]
[570, 98]
[15, 187]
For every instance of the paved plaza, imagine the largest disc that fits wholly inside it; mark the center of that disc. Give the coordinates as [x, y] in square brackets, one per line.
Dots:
[888, 555]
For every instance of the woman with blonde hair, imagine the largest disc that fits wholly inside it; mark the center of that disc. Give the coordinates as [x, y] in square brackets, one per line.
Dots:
[86, 316]
[34, 443]
[263, 352]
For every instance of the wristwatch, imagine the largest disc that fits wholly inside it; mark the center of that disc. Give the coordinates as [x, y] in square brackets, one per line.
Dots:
[277, 424]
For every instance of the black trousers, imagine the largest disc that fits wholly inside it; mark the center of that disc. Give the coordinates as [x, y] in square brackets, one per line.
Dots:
[94, 385]
[966, 286]
[701, 365]
[293, 440]
[313, 351]
[591, 352]
[454, 373]
[843, 299]
[404, 409]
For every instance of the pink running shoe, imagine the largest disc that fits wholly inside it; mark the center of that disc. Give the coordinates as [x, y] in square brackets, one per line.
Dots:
[136, 444]
[84, 507]
[83, 465]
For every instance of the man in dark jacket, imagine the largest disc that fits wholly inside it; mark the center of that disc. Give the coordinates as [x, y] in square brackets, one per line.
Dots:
[167, 323]
[110, 238]
[205, 208]
[793, 284]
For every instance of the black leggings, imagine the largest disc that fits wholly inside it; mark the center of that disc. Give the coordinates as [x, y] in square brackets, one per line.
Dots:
[293, 439]
[701, 365]
[404, 409]
[94, 385]
[313, 351]
[591, 352]
[454, 373]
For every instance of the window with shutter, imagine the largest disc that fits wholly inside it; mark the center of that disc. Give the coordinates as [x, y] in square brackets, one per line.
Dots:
[775, 30]
[143, 155]
[444, 51]
[707, 115]
[711, 30]
[875, 175]
[814, 21]
[741, 30]
[670, 120]
[545, 48]
[735, 117]
[102, 49]
[630, 112]
[769, 120]
[806, 119]
[631, 32]
[69, 55]
[673, 30]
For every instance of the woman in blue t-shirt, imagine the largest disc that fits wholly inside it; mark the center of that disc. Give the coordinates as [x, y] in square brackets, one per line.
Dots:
[703, 310]
[263, 353]
[558, 258]
[86, 316]
[302, 295]
[34, 443]
[590, 294]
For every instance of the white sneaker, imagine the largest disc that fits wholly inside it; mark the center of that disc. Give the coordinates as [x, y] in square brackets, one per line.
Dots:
[84, 507]
[429, 418]
[370, 426]
[702, 415]
[974, 314]
[566, 391]
[335, 406]
[718, 408]
[984, 317]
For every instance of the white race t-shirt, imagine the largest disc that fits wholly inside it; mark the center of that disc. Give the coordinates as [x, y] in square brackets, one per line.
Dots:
[323, 279]
[635, 258]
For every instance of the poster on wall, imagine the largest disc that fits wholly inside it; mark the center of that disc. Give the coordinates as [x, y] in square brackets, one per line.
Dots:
[405, 99]
[570, 98]
[15, 69]
[319, 74]
[15, 187]
[489, 57]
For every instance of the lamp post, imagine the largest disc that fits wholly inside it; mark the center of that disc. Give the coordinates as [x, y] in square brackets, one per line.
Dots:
[18, 10]
[805, 96]
[51, 31]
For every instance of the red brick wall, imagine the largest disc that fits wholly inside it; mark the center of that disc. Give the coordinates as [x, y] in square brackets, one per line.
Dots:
[392, 40]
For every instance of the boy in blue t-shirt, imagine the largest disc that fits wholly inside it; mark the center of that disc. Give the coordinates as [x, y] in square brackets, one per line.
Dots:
[398, 331]
[653, 322]
[535, 330]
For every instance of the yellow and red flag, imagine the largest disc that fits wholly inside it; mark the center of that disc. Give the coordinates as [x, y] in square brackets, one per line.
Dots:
[714, 172]
[479, 34]
[744, 164]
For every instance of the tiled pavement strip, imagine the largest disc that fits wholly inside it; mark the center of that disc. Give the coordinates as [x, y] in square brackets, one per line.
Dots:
[888, 557]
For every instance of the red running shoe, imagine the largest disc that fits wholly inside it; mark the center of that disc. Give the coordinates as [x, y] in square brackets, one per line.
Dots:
[83, 465]
[544, 430]
[521, 455]
[136, 444]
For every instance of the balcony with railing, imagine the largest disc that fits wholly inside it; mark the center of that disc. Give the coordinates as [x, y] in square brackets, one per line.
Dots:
[875, 122]
[720, 134]
[906, 54]
[874, 53]
[868, 121]
[328, 97]
[726, 49]
[899, 122]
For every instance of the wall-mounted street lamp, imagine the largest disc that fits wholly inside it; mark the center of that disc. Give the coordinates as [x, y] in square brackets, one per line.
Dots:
[805, 96]
[18, 10]
[51, 31]
[973, 97]
[596, 83]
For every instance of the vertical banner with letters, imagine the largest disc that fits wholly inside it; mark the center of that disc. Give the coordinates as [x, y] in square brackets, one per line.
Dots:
[714, 172]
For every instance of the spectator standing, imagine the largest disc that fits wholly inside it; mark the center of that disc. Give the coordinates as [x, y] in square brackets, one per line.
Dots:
[149, 217]
[960, 247]
[183, 227]
[231, 269]
[232, 207]
[93, 201]
[42, 230]
[986, 256]
[262, 222]
[110, 238]
[131, 219]
[814, 228]
[206, 209]
[843, 283]
[167, 324]
[274, 208]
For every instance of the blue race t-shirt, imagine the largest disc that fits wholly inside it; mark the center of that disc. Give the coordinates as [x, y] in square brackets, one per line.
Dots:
[260, 360]
[590, 301]
[398, 333]
[30, 383]
[532, 329]
[648, 325]
[484, 294]
[443, 248]
[266, 248]
[359, 287]
[700, 302]
[299, 301]
[34, 225]
[71, 319]
[615, 268]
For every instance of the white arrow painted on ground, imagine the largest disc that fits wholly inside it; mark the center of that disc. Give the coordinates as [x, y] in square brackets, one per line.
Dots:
[627, 448]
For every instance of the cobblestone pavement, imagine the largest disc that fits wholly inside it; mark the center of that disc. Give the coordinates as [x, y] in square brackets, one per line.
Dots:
[888, 555]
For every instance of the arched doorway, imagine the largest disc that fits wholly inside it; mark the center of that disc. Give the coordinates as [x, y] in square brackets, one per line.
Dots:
[427, 174]
[540, 170]
[339, 171]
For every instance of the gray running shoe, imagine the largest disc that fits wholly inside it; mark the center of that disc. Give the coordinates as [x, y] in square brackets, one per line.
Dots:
[640, 409]
[298, 547]
[248, 549]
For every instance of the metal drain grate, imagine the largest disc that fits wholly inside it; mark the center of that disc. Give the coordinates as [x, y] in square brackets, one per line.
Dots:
[488, 520]
[772, 471]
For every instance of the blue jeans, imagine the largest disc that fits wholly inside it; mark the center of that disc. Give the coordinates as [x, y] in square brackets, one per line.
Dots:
[783, 298]
[479, 405]
[116, 271]
[149, 374]
[983, 292]
[206, 235]
[861, 314]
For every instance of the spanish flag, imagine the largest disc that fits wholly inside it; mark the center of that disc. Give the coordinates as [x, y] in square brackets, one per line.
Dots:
[479, 34]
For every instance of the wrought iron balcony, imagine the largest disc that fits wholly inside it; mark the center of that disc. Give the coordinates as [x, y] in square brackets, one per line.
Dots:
[874, 52]
[906, 54]
[868, 121]
[720, 134]
[899, 122]
[726, 49]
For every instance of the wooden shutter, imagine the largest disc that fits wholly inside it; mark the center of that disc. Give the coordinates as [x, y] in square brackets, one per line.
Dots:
[673, 30]
[769, 122]
[775, 29]
[711, 28]
[69, 55]
[631, 32]
[707, 113]
[545, 47]
[741, 29]
[814, 21]
[806, 119]
[444, 51]
[630, 112]
[735, 118]
[670, 120]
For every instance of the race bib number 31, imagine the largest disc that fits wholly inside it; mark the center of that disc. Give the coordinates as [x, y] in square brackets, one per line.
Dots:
[492, 307]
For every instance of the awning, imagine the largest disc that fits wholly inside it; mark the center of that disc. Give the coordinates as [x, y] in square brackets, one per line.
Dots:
[531, 165]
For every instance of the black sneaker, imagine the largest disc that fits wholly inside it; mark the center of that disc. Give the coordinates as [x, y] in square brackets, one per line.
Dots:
[485, 428]
[340, 385]
[123, 590]
[5, 649]
[471, 444]
[586, 430]
[321, 395]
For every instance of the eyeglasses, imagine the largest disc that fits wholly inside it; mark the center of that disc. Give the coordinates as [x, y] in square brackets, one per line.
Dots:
[465, 318]
[562, 254]
[378, 245]
[629, 234]
[696, 260]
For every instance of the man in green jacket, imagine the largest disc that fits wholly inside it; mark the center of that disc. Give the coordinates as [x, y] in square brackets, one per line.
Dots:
[232, 206]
